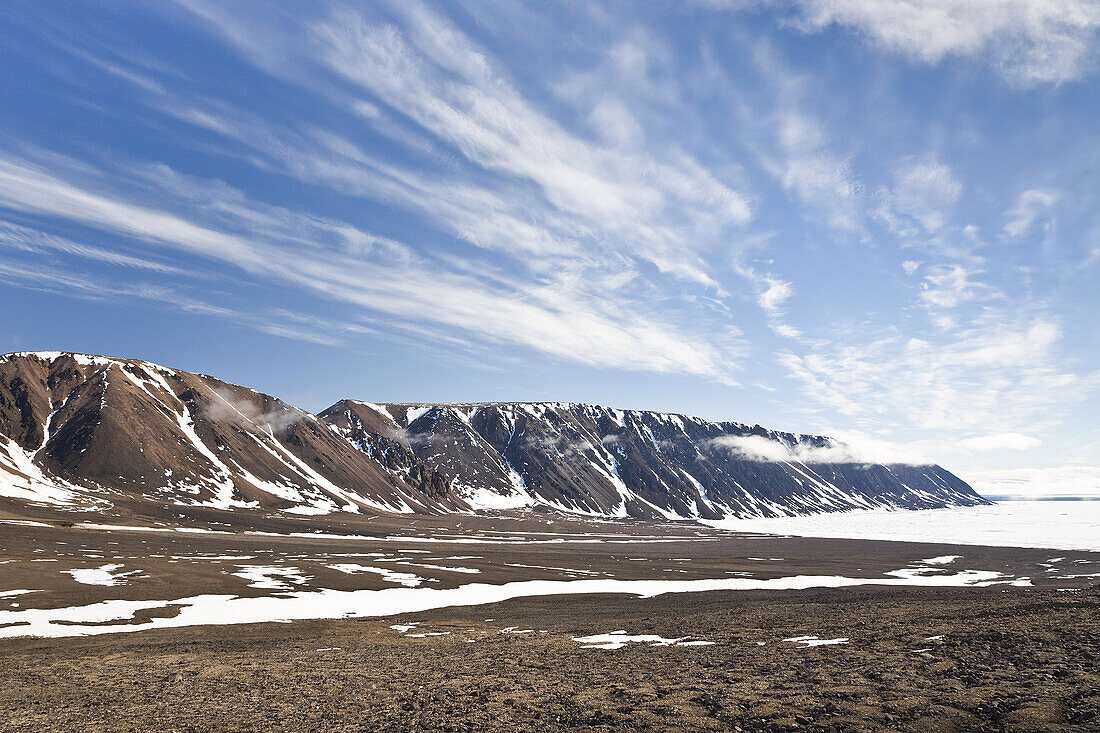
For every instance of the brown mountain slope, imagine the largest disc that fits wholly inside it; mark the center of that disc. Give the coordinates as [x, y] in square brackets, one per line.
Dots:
[105, 427]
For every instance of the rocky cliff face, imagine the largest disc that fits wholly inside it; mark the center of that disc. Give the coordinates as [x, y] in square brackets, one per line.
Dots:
[79, 430]
[601, 461]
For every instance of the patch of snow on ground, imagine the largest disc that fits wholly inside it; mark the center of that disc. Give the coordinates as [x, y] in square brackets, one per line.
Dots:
[619, 639]
[808, 641]
[326, 603]
[103, 575]
[480, 498]
[409, 580]
[915, 573]
[269, 577]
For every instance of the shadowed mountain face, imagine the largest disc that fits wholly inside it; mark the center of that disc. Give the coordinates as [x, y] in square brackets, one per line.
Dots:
[78, 431]
[602, 461]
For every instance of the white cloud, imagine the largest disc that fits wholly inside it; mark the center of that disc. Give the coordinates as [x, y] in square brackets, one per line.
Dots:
[1057, 481]
[1030, 206]
[459, 97]
[614, 123]
[776, 293]
[780, 126]
[230, 407]
[755, 448]
[786, 331]
[948, 286]
[997, 373]
[25, 239]
[857, 446]
[924, 192]
[1000, 441]
[338, 262]
[910, 266]
[861, 449]
[69, 284]
[871, 449]
[814, 174]
[591, 223]
[773, 295]
[1029, 41]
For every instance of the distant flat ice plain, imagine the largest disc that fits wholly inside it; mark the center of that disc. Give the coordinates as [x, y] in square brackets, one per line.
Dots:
[1058, 525]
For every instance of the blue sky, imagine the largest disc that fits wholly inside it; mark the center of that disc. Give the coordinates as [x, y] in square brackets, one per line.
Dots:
[871, 219]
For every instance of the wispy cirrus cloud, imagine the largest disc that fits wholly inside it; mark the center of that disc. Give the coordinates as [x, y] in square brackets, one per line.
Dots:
[1029, 42]
[923, 194]
[539, 184]
[436, 76]
[591, 250]
[993, 374]
[14, 237]
[948, 286]
[340, 262]
[814, 174]
[1030, 206]
[65, 281]
[774, 293]
[795, 147]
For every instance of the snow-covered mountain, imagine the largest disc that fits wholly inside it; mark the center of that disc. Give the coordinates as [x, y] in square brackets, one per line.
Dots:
[86, 431]
[601, 461]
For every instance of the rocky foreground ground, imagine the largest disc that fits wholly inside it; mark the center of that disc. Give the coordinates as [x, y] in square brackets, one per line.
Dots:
[1002, 657]
[1006, 660]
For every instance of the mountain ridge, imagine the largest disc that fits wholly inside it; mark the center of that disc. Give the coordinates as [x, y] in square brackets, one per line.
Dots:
[695, 474]
[92, 430]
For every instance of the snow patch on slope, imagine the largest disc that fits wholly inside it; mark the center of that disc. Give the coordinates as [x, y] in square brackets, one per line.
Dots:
[21, 478]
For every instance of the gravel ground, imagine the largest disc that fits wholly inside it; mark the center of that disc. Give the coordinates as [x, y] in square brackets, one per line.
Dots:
[998, 658]
[1005, 659]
